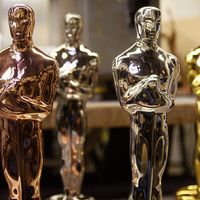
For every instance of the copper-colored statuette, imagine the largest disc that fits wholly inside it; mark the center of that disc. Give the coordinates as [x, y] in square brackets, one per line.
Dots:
[145, 79]
[78, 77]
[27, 87]
[193, 58]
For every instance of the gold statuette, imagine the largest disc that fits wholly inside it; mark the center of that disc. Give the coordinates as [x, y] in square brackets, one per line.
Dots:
[193, 62]
[78, 77]
[145, 79]
[28, 80]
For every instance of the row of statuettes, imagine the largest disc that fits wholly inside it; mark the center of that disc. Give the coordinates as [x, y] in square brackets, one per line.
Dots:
[145, 78]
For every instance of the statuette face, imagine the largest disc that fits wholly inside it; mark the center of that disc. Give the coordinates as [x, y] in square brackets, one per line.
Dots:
[147, 23]
[21, 22]
[28, 79]
[145, 78]
[73, 28]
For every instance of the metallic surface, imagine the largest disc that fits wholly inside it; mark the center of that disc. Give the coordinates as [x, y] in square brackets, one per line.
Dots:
[145, 79]
[190, 192]
[27, 87]
[193, 64]
[64, 197]
[78, 76]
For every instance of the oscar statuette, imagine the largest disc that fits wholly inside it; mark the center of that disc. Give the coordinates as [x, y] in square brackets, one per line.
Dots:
[28, 79]
[77, 81]
[192, 192]
[145, 78]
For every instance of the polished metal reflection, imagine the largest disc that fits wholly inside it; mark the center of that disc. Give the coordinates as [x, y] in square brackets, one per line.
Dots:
[27, 88]
[145, 79]
[78, 77]
[193, 61]
[64, 197]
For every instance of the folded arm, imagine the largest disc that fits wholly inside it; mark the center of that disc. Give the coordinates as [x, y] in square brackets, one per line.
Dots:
[25, 98]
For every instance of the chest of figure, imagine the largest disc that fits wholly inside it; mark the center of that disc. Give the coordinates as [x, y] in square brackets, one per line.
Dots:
[22, 69]
[79, 65]
[74, 59]
[137, 68]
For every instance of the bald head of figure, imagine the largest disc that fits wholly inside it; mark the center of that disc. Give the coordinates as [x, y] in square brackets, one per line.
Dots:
[21, 22]
[147, 22]
[73, 28]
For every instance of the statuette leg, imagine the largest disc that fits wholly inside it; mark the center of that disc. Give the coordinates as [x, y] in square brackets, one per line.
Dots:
[148, 152]
[22, 158]
[71, 121]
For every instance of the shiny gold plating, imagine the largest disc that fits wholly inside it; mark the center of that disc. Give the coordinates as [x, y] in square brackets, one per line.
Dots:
[190, 192]
[63, 197]
[28, 80]
[145, 79]
[193, 64]
[77, 81]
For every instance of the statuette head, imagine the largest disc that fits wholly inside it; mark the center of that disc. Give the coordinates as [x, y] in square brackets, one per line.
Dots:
[21, 22]
[147, 21]
[73, 28]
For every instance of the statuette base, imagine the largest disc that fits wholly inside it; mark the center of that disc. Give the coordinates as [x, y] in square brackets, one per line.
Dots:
[64, 197]
[188, 193]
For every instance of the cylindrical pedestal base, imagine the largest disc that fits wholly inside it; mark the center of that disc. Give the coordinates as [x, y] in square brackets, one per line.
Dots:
[188, 193]
[64, 197]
